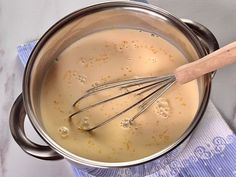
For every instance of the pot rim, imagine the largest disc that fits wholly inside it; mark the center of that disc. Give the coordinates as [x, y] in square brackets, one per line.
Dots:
[83, 12]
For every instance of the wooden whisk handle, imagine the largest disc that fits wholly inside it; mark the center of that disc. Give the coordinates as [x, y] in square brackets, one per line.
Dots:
[222, 57]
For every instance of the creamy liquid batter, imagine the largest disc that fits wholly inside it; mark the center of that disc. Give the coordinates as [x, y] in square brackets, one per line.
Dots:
[108, 56]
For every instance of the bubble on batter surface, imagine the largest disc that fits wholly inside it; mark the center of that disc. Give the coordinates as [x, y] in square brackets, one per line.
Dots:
[83, 123]
[82, 78]
[162, 107]
[64, 132]
[96, 84]
[126, 123]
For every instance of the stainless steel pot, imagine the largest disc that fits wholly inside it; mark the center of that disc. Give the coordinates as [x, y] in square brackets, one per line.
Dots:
[193, 39]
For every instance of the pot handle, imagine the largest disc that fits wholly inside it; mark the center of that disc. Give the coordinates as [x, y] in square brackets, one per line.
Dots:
[16, 121]
[205, 36]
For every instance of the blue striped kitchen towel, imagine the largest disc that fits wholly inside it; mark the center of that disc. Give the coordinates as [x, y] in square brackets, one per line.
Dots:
[211, 151]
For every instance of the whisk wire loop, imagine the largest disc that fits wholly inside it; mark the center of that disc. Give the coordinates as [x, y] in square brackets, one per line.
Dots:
[159, 84]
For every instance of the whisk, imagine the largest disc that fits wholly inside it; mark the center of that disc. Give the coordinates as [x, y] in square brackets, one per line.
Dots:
[157, 86]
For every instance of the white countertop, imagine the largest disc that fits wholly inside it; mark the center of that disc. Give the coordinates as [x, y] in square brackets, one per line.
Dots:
[22, 21]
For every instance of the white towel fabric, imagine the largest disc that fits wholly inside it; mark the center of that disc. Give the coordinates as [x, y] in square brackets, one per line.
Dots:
[211, 151]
